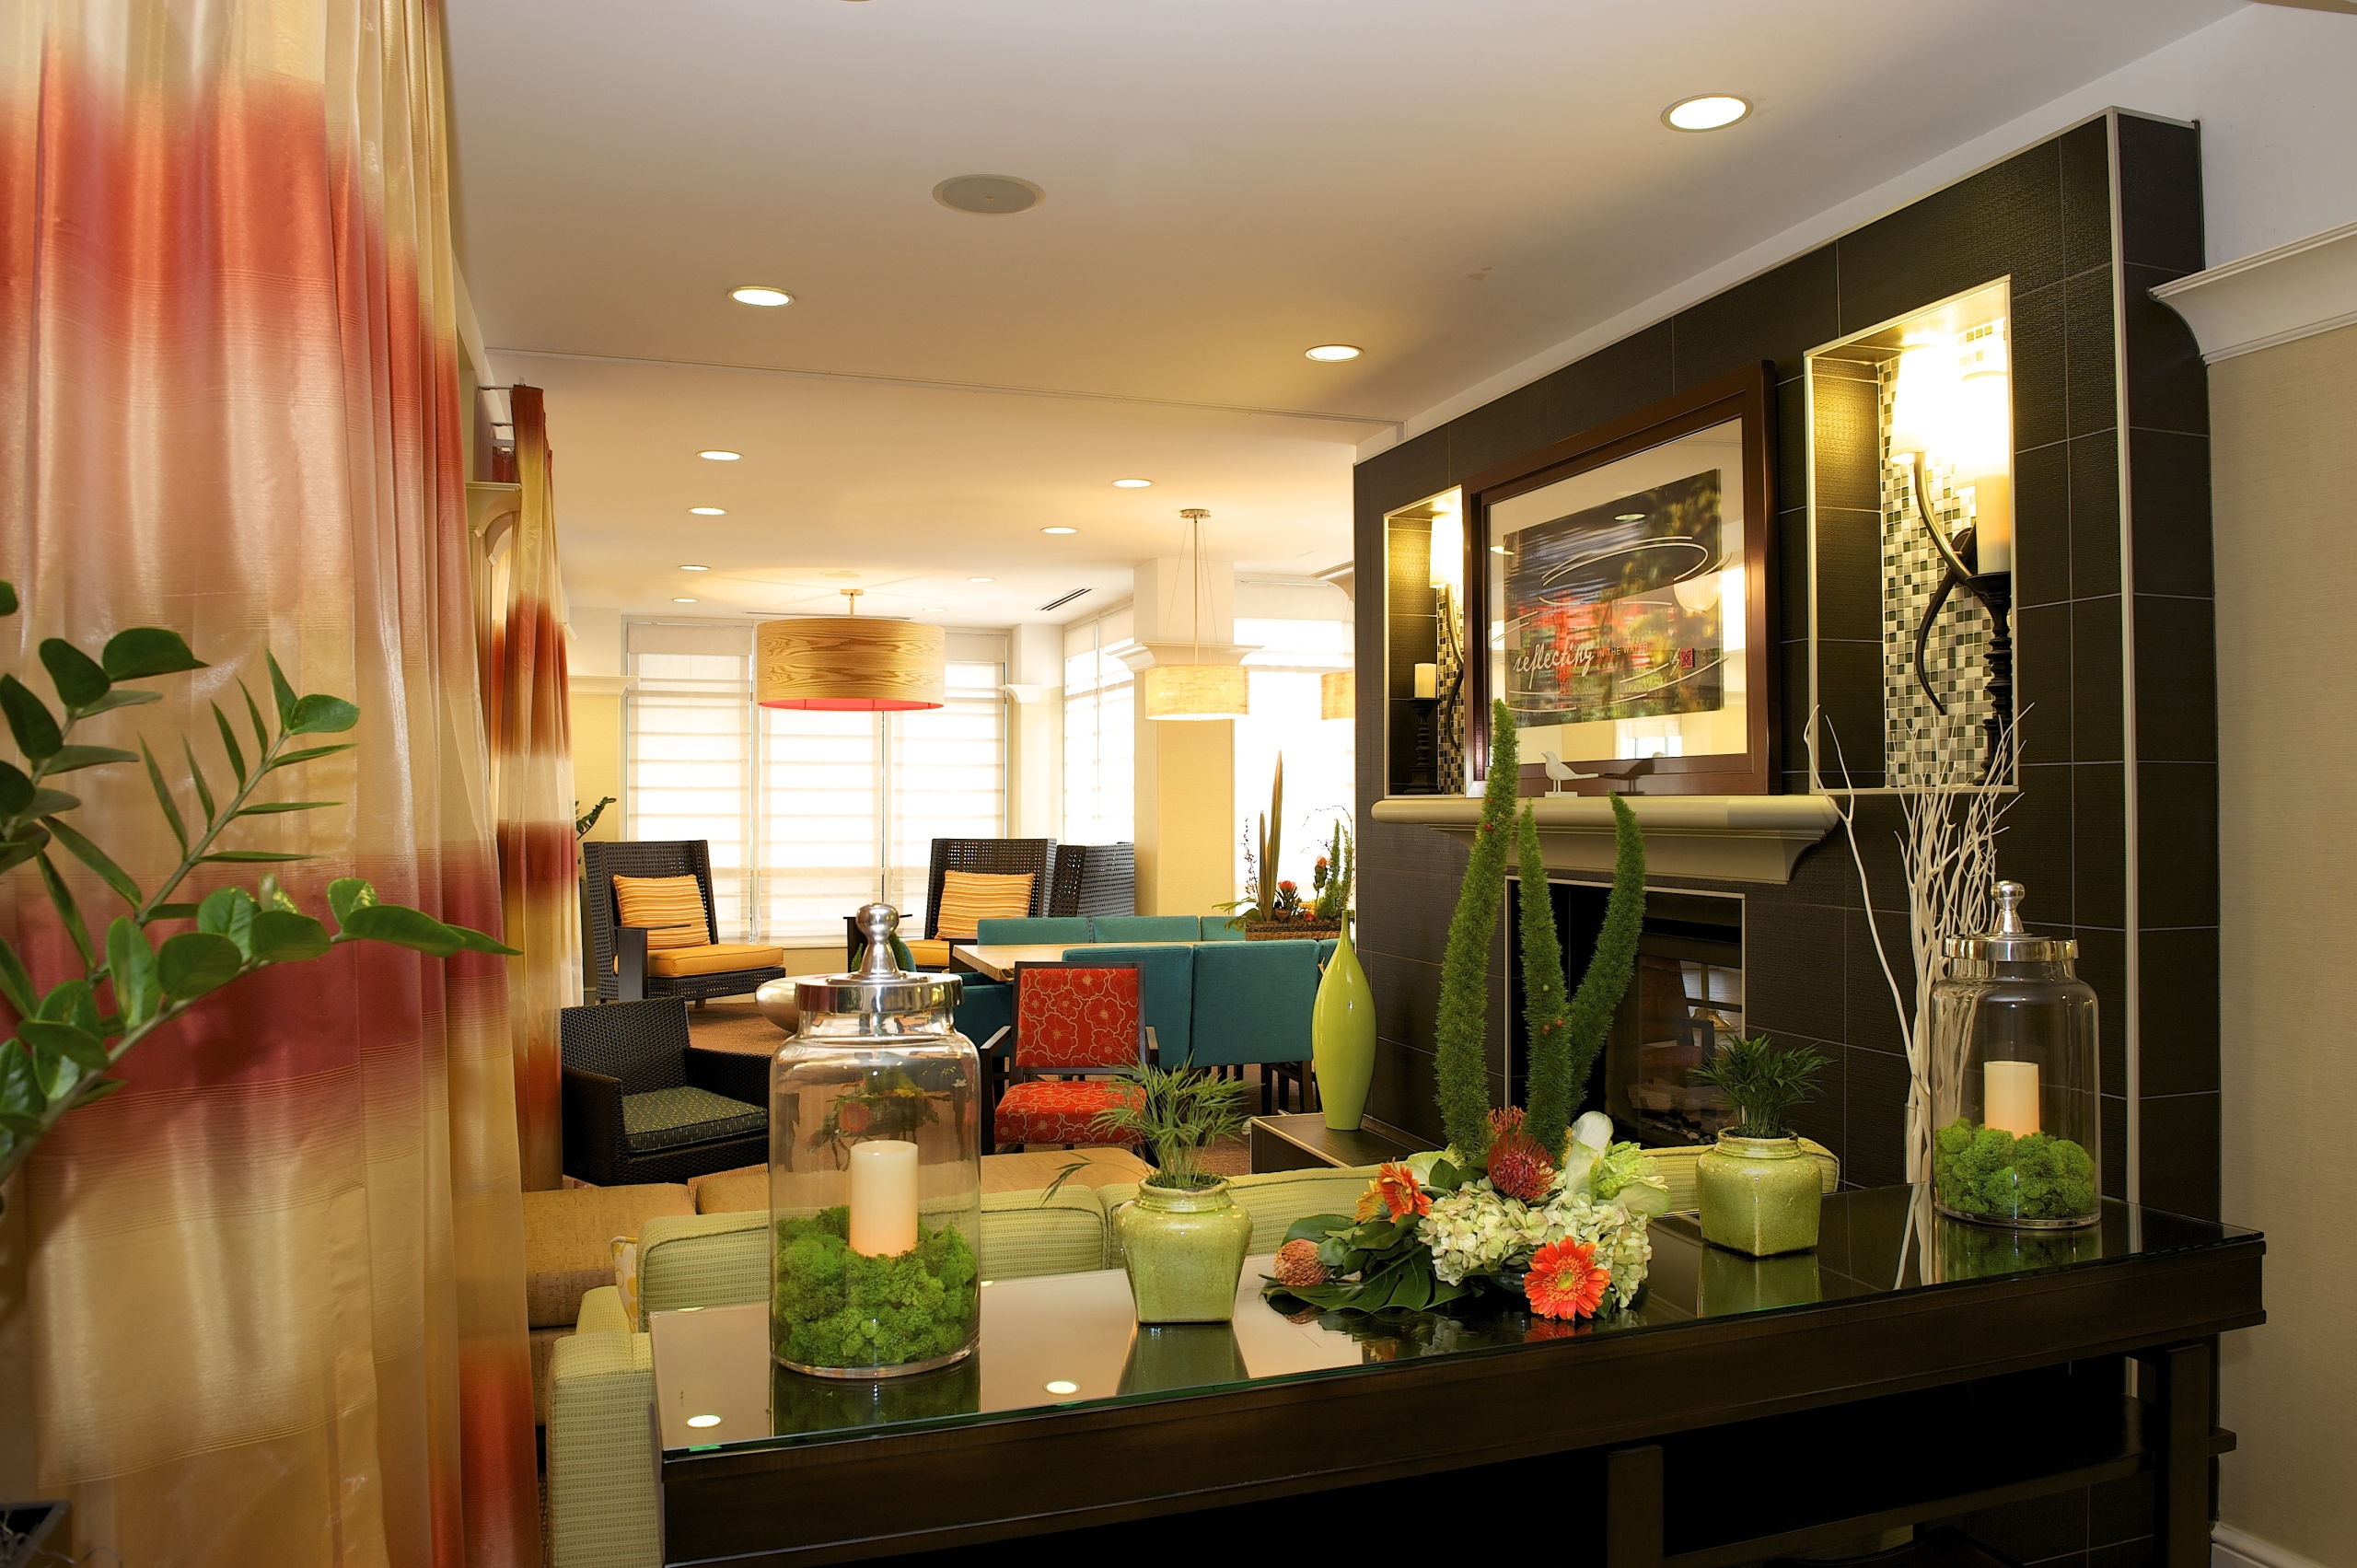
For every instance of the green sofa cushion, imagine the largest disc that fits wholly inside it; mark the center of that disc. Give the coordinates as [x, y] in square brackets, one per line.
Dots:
[1145, 928]
[666, 1119]
[1033, 928]
[1221, 928]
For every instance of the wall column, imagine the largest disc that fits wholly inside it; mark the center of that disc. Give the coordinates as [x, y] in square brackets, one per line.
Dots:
[1035, 725]
[1186, 771]
[593, 713]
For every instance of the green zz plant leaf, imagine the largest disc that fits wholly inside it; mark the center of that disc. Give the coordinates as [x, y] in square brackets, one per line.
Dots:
[64, 1045]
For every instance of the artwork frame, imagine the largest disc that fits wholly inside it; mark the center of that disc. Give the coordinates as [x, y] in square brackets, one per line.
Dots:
[1736, 412]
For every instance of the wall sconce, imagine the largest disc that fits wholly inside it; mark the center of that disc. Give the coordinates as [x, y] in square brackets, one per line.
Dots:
[1954, 404]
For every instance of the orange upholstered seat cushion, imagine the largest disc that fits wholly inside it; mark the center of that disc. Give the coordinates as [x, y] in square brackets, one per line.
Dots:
[669, 908]
[970, 896]
[1051, 1111]
[718, 958]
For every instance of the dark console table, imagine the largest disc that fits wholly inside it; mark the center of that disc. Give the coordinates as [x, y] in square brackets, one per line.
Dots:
[1909, 1369]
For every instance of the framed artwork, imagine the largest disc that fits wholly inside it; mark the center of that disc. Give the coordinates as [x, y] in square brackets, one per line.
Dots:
[1624, 580]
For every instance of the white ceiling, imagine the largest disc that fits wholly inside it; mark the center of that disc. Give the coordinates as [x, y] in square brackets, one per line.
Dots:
[1453, 186]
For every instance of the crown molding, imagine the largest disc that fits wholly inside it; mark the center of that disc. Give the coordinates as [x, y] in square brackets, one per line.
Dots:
[2293, 291]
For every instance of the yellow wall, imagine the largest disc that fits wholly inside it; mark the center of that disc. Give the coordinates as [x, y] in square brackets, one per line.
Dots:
[2286, 551]
[597, 757]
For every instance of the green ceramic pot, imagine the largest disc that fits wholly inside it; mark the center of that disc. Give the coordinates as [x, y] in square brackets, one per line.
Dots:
[1759, 1195]
[1184, 1251]
[1341, 1034]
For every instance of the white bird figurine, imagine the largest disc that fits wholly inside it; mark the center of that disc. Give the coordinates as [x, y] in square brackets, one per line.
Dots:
[1559, 772]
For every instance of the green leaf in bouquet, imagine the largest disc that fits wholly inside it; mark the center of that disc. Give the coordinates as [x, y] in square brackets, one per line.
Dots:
[163, 797]
[271, 896]
[69, 914]
[322, 715]
[7, 598]
[144, 651]
[171, 911]
[15, 789]
[1316, 1228]
[229, 912]
[98, 860]
[253, 713]
[76, 676]
[280, 936]
[15, 985]
[22, 1100]
[230, 744]
[196, 777]
[249, 857]
[309, 754]
[50, 802]
[30, 720]
[76, 1044]
[196, 963]
[473, 941]
[121, 697]
[131, 964]
[271, 808]
[281, 691]
[15, 853]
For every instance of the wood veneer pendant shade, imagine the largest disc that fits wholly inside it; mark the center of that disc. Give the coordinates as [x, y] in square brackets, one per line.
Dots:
[1338, 694]
[1197, 692]
[847, 663]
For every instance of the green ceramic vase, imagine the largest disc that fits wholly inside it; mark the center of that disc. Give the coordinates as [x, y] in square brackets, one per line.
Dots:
[1759, 1195]
[1184, 1251]
[1341, 1034]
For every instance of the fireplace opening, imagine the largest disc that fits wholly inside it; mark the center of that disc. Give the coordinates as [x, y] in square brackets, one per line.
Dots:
[1684, 1003]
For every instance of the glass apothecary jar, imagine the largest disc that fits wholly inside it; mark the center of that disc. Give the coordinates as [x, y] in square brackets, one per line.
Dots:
[2017, 1127]
[876, 1173]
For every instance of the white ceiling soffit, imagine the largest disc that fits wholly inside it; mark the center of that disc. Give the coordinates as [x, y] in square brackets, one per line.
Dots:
[1227, 184]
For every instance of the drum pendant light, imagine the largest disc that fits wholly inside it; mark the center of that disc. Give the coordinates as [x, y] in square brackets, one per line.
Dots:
[1196, 690]
[839, 663]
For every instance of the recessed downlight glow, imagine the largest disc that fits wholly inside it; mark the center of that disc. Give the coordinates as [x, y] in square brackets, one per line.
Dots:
[1062, 1386]
[1330, 352]
[703, 1421]
[1132, 484]
[1058, 530]
[941, 609]
[982, 579]
[754, 293]
[718, 455]
[1710, 111]
[687, 566]
[709, 511]
[678, 600]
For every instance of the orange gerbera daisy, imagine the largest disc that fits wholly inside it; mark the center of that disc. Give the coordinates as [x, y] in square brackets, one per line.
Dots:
[1395, 1193]
[1565, 1280]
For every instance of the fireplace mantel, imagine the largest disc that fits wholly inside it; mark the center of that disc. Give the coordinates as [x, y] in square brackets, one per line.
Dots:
[1730, 838]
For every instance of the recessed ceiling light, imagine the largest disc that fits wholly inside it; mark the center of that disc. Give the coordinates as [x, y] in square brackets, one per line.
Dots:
[754, 293]
[1064, 1386]
[982, 579]
[989, 195]
[700, 1422]
[1132, 483]
[1710, 111]
[1328, 353]
[941, 609]
[1058, 530]
[685, 567]
[709, 511]
[683, 601]
[716, 455]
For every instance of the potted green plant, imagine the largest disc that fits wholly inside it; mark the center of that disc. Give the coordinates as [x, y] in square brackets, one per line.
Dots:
[1759, 1195]
[1182, 1238]
[1274, 908]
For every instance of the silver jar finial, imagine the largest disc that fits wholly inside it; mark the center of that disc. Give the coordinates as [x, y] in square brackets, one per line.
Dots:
[2009, 909]
[877, 923]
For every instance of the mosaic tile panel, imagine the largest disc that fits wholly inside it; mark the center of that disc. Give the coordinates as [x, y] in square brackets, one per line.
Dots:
[1912, 570]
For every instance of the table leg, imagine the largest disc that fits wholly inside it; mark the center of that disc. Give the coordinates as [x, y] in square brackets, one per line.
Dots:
[2181, 1469]
[1633, 1509]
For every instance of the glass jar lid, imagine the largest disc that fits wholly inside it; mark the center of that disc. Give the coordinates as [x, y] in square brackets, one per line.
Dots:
[880, 985]
[2012, 942]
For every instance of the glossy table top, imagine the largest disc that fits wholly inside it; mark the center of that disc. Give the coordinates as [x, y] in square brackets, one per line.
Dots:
[1063, 1341]
[996, 960]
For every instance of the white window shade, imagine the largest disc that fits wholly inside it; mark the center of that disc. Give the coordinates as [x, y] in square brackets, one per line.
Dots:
[689, 759]
[947, 769]
[1100, 734]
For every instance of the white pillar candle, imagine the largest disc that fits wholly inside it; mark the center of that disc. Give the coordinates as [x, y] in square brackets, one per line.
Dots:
[1993, 521]
[1428, 681]
[2009, 1099]
[883, 1197]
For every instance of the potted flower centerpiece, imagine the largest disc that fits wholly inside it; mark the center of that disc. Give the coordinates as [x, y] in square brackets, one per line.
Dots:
[1274, 909]
[1760, 1193]
[1182, 1238]
[1524, 1202]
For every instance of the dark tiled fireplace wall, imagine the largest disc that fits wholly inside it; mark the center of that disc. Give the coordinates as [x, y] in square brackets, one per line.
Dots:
[2085, 224]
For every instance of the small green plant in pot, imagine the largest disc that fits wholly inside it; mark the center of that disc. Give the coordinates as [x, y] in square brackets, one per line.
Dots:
[1183, 1238]
[1759, 1192]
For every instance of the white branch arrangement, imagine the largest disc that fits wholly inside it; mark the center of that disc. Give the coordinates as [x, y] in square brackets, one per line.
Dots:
[1948, 846]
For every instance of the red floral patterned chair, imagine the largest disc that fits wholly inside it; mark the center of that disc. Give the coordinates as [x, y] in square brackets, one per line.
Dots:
[1076, 1025]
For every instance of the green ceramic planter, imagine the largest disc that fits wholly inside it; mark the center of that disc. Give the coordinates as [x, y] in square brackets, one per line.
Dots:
[1341, 1034]
[1184, 1252]
[1759, 1195]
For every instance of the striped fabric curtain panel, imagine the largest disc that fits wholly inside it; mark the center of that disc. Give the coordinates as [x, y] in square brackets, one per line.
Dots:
[264, 1305]
[531, 777]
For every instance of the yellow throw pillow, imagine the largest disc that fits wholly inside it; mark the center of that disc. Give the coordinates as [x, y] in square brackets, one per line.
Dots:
[626, 1276]
[669, 908]
[970, 896]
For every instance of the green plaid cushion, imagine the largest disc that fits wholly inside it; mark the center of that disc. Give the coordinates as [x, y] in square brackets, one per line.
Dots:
[665, 1118]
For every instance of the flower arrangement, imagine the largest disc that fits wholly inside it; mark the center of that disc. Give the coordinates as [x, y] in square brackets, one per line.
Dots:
[1273, 906]
[1570, 1233]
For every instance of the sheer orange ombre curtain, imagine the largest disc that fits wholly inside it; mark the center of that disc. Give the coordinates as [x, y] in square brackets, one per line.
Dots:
[266, 1305]
[531, 770]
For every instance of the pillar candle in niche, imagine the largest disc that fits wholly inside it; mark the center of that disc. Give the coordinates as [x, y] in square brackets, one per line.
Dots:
[883, 1197]
[1428, 681]
[2009, 1097]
